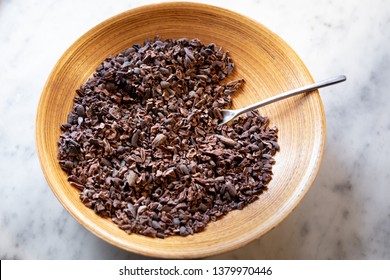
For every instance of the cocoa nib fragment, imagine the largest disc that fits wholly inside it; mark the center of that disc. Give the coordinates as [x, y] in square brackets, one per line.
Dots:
[227, 141]
[159, 140]
[143, 145]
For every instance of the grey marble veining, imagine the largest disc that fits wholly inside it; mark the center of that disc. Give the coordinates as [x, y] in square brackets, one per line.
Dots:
[345, 215]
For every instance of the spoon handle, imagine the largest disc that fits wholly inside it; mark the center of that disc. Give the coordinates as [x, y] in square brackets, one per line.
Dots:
[320, 84]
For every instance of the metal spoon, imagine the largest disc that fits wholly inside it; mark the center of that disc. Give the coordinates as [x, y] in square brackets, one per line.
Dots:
[228, 115]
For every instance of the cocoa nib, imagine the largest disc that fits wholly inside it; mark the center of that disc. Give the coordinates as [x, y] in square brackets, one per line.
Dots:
[143, 145]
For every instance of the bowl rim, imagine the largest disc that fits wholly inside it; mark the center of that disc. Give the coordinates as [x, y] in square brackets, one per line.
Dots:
[135, 248]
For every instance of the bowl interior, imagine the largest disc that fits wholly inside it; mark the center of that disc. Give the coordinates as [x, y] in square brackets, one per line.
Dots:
[268, 65]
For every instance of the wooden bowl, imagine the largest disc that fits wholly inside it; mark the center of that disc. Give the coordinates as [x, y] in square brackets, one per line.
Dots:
[268, 65]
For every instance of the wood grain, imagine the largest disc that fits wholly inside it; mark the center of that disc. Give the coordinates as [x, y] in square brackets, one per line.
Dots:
[268, 65]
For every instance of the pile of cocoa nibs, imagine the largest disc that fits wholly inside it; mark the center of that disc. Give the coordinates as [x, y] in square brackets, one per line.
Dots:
[143, 145]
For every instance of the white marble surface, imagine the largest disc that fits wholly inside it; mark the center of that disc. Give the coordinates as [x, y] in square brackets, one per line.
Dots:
[345, 215]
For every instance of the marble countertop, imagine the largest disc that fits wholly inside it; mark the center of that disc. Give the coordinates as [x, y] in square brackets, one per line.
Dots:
[345, 215]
